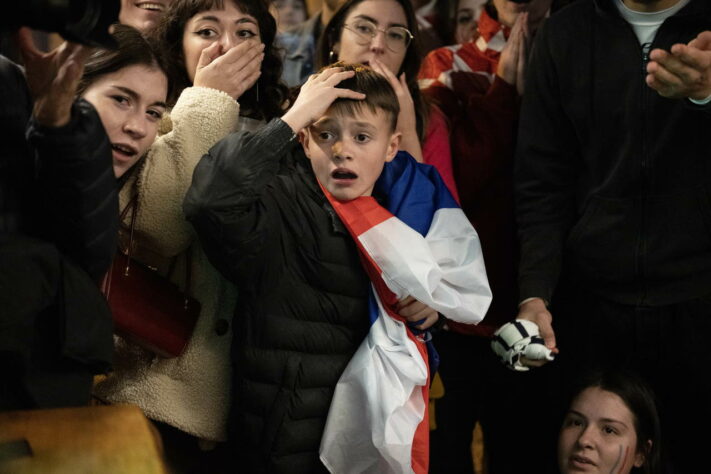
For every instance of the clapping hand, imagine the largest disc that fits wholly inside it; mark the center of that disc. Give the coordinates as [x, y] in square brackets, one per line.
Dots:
[683, 72]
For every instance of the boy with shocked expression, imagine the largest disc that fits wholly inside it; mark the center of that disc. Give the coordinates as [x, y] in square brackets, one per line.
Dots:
[266, 224]
[352, 140]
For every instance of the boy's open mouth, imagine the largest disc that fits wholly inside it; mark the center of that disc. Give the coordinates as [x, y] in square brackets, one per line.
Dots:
[342, 173]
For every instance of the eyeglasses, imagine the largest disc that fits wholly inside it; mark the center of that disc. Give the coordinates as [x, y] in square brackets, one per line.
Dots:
[397, 38]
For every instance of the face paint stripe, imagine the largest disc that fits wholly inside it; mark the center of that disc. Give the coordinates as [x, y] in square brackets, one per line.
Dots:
[621, 460]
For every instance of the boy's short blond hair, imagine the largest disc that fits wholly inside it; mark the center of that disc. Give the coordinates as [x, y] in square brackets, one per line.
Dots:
[379, 94]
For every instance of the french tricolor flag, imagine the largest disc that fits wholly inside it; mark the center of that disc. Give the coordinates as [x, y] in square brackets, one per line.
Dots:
[417, 243]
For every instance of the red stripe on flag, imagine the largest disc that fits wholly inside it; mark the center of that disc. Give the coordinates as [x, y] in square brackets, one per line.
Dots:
[421, 441]
[360, 214]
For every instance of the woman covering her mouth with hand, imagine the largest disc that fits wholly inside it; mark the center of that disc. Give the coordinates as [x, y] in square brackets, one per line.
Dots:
[226, 70]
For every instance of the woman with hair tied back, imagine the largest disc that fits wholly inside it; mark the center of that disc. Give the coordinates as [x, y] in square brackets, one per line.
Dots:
[226, 70]
[612, 426]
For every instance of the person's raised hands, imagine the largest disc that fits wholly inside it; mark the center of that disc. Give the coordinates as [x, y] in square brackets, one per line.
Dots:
[683, 72]
[316, 96]
[514, 56]
[52, 77]
[233, 71]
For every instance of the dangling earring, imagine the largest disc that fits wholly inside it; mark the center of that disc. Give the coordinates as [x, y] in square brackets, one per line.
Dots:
[256, 92]
[331, 56]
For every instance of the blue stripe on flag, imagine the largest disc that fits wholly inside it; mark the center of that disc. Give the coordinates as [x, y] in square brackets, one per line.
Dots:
[413, 191]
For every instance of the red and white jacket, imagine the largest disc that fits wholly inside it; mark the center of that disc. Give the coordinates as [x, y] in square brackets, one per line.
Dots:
[482, 110]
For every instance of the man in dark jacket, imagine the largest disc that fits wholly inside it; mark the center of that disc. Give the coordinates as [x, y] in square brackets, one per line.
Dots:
[58, 230]
[613, 197]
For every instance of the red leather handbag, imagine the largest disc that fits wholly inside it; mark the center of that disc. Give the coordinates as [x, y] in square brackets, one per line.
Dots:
[148, 309]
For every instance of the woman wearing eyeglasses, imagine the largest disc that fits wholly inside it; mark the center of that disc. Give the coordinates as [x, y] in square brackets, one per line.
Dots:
[383, 35]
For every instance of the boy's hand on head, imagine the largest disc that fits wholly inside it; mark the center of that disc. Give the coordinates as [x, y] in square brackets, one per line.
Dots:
[52, 77]
[317, 95]
[232, 72]
[414, 311]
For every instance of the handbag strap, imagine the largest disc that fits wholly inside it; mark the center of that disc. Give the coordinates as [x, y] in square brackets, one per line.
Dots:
[108, 277]
[133, 203]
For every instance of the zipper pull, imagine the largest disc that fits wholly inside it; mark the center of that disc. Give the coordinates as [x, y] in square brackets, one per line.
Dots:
[646, 49]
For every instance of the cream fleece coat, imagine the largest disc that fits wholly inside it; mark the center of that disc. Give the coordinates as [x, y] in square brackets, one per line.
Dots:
[190, 392]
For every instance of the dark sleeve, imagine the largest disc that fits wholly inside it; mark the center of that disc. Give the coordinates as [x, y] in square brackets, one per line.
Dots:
[77, 201]
[483, 140]
[16, 167]
[545, 174]
[232, 204]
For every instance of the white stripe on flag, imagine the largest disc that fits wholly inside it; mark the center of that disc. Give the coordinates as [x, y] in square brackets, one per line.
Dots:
[377, 404]
[444, 270]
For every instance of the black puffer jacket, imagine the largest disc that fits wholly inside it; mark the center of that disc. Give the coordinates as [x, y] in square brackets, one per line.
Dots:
[302, 310]
[16, 169]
